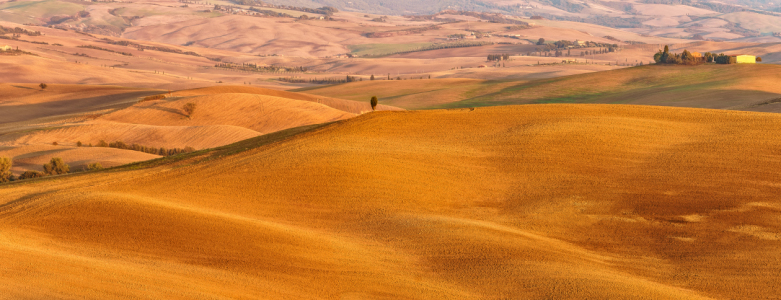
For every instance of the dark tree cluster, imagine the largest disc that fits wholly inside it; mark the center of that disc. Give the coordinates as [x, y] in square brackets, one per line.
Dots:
[104, 49]
[5, 169]
[683, 58]
[270, 13]
[145, 47]
[153, 97]
[496, 57]
[458, 44]
[151, 150]
[256, 68]
[345, 79]
[56, 167]
[19, 31]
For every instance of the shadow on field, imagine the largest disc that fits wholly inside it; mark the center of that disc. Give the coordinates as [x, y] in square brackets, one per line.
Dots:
[28, 112]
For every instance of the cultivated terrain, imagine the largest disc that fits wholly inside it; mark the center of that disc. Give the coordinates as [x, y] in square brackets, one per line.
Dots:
[519, 150]
[562, 201]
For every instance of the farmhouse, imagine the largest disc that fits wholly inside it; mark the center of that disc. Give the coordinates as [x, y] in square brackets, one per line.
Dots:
[743, 59]
[698, 56]
[5, 48]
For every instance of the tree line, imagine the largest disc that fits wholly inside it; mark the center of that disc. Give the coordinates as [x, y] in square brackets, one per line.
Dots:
[18, 30]
[255, 68]
[156, 48]
[495, 57]
[104, 49]
[54, 167]
[438, 46]
[687, 58]
[345, 79]
[162, 151]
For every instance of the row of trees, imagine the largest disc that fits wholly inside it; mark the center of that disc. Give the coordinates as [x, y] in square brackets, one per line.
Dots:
[54, 167]
[18, 30]
[495, 57]
[255, 68]
[683, 58]
[104, 49]
[346, 79]
[687, 58]
[437, 46]
[145, 47]
[136, 147]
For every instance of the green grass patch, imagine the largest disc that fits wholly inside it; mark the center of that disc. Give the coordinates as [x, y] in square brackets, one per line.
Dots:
[385, 49]
[42, 9]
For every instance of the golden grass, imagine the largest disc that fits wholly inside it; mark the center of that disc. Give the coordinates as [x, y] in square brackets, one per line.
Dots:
[33, 157]
[544, 201]
[413, 94]
[225, 115]
[355, 107]
[264, 114]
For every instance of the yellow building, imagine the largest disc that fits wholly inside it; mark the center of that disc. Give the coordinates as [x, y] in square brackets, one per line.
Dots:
[744, 59]
[5, 48]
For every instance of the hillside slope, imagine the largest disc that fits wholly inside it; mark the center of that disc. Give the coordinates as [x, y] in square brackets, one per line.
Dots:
[738, 87]
[356, 106]
[69, 114]
[543, 201]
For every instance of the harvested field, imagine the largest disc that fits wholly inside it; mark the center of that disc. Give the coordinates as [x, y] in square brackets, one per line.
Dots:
[738, 87]
[33, 157]
[544, 201]
[263, 114]
[354, 107]
[67, 114]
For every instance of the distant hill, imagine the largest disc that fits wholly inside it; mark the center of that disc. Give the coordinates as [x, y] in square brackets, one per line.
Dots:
[737, 87]
[399, 7]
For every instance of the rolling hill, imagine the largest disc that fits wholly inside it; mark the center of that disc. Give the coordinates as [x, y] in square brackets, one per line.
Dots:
[740, 87]
[42, 124]
[544, 201]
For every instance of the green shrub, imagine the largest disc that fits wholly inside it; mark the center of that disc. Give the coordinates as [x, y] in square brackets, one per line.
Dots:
[150, 98]
[189, 108]
[31, 174]
[5, 169]
[94, 166]
[56, 167]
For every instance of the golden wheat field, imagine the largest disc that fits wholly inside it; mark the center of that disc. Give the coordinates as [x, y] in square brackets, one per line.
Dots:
[518, 202]
[33, 120]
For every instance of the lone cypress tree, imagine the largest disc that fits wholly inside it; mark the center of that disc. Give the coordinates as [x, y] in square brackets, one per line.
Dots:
[374, 102]
[665, 54]
[372, 78]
